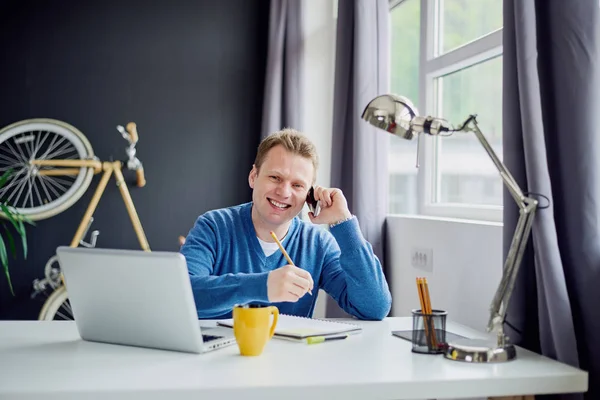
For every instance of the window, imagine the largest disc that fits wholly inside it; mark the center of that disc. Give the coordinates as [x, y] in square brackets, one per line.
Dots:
[446, 56]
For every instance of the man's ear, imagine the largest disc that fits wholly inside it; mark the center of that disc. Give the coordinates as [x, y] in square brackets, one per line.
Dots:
[252, 176]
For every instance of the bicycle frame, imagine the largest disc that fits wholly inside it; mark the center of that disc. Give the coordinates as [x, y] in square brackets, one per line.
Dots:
[108, 169]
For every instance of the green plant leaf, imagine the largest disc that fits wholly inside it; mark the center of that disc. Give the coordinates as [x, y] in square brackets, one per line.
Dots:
[4, 259]
[11, 241]
[17, 223]
[5, 177]
[23, 239]
[22, 217]
[10, 215]
[12, 211]
[16, 219]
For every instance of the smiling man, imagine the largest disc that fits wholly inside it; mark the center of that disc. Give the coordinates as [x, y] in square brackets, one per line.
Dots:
[232, 258]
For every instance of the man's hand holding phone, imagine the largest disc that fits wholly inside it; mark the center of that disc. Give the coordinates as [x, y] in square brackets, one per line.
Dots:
[313, 205]
[333, 206]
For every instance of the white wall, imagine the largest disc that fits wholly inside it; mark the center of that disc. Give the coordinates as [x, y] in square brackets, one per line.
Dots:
[467, 266]
[319, 57]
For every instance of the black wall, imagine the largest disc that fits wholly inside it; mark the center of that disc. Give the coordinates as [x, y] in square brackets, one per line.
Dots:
[189, 73]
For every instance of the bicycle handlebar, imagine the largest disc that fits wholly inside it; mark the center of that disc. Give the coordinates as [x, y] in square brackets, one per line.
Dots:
[141, 178]
[132, 129]
[133, 163]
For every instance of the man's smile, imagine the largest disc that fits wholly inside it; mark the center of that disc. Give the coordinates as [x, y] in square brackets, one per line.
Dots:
[278, 205]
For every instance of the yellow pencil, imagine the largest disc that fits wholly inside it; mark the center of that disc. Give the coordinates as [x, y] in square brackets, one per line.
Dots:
[430, 332]
[285, 254]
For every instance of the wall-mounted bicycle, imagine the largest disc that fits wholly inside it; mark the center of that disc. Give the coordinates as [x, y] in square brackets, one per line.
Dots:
[53, 164]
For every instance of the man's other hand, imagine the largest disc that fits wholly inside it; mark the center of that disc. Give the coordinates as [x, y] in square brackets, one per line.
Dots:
[288, 283]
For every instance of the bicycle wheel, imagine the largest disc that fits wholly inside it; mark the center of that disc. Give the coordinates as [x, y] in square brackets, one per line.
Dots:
[57, 307]
[42, 196]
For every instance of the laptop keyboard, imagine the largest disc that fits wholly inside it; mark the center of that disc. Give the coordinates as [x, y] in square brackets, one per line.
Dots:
[208, 338]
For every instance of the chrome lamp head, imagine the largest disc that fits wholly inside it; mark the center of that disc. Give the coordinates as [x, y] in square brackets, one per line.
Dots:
[393, 114]
[398, 116]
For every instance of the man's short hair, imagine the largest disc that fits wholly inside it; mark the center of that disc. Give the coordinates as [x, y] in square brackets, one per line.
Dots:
[293, 141]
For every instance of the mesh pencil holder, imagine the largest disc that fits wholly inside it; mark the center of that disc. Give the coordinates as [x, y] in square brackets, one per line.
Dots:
[429, 332]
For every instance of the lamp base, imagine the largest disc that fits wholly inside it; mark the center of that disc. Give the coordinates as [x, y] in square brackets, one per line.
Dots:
[480, 351]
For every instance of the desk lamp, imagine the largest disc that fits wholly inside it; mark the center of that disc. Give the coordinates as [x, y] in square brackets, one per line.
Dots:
[398, 116]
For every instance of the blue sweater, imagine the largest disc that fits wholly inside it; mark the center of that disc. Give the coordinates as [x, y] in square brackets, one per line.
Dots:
[227, 265]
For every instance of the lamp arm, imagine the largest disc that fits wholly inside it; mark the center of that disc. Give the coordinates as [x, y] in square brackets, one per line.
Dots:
[527, 208]
[507, 178]
[499, 304]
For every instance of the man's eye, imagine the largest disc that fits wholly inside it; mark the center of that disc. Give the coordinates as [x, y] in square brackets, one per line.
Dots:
[274, 177]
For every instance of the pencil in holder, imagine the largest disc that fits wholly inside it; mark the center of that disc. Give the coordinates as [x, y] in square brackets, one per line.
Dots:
[429, 332]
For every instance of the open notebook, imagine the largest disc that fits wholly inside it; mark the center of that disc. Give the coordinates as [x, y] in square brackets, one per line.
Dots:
[299, 328]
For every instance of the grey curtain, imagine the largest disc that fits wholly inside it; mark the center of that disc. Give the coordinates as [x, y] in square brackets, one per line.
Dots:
[551, 118]
[359, 151]
[283, 95]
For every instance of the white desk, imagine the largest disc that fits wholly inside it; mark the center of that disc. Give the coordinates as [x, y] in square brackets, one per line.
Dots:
[48, 360]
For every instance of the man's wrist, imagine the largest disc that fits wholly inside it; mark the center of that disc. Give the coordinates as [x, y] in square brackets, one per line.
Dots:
[341, 221]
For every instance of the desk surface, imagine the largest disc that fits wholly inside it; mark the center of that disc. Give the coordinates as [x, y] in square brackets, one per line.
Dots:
[49, 360]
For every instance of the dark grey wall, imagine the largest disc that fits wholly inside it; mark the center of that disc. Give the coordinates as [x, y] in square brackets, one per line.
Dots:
[189, 73]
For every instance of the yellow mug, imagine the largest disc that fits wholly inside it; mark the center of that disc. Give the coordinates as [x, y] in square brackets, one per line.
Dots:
[252, 327]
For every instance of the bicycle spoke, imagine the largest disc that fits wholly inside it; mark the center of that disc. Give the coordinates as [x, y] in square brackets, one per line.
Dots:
[27, 186]
[15, 153]
[40, 143]
[12, 182]
[27, 192]
[56, 180]
[63, 316]
[21, 187]
[29, 146]
[41, 177]
[52, 182]
[19, 183]
[31, 190]
[12, 161]
[23, 143]
[6, 157]
[27, 189]
[67, 306]
[45, 178]
[18, 145]
[48, 149]
[53, 145]
[60, 151]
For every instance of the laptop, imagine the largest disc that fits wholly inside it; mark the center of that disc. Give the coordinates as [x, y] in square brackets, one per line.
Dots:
[136, 298]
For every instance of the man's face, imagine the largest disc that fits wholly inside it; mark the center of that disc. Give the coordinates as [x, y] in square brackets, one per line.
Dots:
[280, 186]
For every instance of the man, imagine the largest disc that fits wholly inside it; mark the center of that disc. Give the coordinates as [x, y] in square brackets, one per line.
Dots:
[233, 259]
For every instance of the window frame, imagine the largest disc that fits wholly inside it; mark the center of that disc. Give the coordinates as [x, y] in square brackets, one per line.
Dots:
[432, 66]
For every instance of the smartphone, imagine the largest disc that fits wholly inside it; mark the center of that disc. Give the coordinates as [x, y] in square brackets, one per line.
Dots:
[313, 205]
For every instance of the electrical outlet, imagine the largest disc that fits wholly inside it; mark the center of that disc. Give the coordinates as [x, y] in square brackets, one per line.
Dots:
[422, 258]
